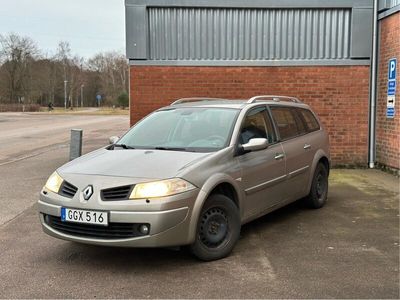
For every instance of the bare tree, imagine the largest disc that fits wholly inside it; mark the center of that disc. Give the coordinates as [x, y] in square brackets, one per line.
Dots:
[17, 54]
[112, 70]
[27, 74]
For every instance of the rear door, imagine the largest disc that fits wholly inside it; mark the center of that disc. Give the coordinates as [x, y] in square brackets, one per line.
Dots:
[263, 172]
[297, 148]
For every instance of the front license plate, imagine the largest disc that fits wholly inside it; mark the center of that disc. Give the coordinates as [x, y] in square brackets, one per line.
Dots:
[84, 216]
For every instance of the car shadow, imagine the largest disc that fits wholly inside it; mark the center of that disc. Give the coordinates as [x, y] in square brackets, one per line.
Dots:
[119, 258]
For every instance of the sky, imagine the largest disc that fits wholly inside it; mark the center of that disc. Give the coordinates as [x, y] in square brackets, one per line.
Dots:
[90, 26]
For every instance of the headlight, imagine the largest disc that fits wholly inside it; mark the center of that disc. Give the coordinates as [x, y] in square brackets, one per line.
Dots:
[161, 188]
[54, 182]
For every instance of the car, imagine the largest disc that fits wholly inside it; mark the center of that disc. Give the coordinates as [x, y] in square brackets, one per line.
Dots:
[191, 174]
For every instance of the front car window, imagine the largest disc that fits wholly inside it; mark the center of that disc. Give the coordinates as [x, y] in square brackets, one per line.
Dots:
[257, 124]
[186, 129]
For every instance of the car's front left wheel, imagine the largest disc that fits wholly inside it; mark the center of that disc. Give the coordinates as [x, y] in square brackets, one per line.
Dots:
[218, 228]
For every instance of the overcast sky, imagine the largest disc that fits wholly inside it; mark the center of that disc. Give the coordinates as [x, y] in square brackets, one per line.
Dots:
[90, 26]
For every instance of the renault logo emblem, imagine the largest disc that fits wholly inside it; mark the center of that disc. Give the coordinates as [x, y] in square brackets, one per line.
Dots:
[88, 192]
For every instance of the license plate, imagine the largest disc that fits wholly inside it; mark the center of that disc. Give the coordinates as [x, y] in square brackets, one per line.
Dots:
[84, 216]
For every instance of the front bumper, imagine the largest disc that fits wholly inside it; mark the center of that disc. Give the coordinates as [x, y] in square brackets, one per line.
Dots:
[169, 219]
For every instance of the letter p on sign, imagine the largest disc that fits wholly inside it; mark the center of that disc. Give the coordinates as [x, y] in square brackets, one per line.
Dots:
[392, 69]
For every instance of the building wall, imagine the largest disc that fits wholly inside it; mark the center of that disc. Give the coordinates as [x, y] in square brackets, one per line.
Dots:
[339, 95]
[388, 130]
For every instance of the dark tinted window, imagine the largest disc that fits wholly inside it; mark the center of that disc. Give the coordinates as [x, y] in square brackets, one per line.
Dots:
[309, 119]
[288, 122]
[301, 127]
[257, 124]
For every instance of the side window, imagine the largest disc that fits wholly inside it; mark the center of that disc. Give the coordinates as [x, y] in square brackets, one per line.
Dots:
[301, 128]
[257, 125]
[310, 120]
[288, 122]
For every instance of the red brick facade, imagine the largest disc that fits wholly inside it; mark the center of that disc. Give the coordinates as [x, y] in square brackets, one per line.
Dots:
[388, 130]
[339, 95]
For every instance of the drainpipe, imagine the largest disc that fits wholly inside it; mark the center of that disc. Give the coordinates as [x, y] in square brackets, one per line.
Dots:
[372, 90]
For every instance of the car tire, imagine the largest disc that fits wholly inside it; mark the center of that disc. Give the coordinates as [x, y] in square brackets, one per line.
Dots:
[319, 188]
[218, 228]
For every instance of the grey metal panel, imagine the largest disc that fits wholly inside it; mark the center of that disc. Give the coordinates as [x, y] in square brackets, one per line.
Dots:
[248, 34]
[254, 63]
[136, 32]
[387, 4]
[255, 3]
[361, 33]
[388, 12]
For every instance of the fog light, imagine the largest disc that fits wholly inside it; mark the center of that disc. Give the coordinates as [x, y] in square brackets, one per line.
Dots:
[144, 229]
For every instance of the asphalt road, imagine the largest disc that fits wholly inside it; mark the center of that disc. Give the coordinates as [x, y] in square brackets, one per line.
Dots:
[33, 145]
[348, 249]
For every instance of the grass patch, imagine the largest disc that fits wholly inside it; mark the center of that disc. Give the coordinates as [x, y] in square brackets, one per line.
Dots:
[86, 111]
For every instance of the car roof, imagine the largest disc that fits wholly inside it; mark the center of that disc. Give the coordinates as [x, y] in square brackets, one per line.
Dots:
[236, 103]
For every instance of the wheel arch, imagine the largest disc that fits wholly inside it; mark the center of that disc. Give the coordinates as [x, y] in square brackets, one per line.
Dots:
[322, 157]
[218, 183]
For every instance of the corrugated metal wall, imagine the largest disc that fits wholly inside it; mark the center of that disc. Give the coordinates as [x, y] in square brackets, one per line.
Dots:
[248, 34]
[393, 3]
[387, 4]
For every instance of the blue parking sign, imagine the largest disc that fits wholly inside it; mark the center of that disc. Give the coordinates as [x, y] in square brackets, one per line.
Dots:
[390, 112]
[391, 89]
[392, 69]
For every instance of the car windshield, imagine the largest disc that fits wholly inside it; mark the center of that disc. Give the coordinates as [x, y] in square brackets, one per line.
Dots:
[183, 129]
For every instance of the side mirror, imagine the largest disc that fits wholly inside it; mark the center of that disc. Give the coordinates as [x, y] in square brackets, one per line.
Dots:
[113, 139]
[253, 145]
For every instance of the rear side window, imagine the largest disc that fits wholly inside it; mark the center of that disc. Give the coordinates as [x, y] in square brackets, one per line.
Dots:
[309, 119]
[288, 122]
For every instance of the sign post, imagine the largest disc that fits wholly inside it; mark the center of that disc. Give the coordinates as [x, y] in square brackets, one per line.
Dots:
[391, 89]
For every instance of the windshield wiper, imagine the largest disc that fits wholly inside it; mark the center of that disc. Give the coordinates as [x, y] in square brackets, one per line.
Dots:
[123, 146]
[170, 148]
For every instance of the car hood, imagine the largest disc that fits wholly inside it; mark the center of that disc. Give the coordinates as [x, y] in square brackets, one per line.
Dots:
[138, 163]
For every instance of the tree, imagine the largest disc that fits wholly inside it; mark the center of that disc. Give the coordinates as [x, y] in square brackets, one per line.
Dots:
[112, 70]
[26, 73]
[123, 100]
[17, 54]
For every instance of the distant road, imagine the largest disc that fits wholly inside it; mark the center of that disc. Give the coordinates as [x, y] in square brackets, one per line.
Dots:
[34, 145]
[26, 134]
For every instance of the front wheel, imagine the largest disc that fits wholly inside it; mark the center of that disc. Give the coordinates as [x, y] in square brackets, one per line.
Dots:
[319, 188]
[218, 228]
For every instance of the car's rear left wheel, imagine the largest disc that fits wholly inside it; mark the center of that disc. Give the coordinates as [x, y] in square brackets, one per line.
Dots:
[319, 188]
[218, 228]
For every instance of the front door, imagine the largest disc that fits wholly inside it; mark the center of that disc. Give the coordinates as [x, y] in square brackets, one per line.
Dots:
[263, 171]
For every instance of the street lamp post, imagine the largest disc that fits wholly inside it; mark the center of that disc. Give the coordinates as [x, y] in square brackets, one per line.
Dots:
[65, 94]
[82, 86]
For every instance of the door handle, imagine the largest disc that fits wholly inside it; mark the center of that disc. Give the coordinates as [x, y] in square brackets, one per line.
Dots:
[279, 156]
[307, 146]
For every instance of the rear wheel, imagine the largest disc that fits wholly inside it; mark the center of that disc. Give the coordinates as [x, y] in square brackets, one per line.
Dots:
[319, 188]
[218, 228]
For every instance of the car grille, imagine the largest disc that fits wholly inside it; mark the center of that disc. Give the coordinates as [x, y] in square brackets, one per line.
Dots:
[67, 189]
[117, 193]
[112, 231]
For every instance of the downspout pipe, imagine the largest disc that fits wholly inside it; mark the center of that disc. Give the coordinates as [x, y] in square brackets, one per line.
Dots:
[372, 90]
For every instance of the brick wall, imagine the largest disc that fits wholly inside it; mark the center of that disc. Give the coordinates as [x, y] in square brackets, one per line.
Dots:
[339, 95]
[388, 130]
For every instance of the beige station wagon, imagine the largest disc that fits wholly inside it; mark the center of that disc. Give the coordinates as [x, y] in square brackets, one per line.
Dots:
[191, 174]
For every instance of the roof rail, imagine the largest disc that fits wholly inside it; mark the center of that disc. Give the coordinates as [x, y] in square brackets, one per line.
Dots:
[185, 100]
[273, 98]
